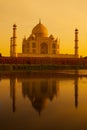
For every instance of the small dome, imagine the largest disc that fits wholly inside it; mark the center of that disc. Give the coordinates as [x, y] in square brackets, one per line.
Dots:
[14, 25]
[40, 30]
[51, 36]
[24, 39]
[32, 36]
[76, 30]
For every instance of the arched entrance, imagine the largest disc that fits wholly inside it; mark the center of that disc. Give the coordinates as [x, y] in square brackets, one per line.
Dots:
[44, 48]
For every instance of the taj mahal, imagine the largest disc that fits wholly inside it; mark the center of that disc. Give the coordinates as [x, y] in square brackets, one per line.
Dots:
[40, 44]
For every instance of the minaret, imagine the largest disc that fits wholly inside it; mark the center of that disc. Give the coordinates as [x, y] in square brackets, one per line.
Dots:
[76, 43]
[11, 46]
[14, 40]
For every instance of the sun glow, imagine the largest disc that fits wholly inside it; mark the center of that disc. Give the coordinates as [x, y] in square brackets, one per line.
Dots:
[60, 17]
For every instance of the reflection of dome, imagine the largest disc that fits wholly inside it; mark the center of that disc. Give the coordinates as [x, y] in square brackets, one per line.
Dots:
[39, 104]
[40, 30]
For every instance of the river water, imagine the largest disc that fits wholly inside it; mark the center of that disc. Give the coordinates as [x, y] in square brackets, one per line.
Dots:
[40, 102]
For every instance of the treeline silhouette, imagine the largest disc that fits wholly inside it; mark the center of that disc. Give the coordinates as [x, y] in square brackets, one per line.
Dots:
[43, 60]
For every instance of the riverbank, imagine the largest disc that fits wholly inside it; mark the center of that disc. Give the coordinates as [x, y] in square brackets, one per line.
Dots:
[59, 73]
[38, 67]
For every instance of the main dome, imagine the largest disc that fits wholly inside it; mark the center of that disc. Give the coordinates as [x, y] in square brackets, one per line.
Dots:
[40, 30]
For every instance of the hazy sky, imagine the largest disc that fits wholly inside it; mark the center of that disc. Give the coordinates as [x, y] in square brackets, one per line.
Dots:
[61, 17]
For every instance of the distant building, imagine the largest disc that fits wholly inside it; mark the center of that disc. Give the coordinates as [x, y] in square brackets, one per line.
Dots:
[39, 44]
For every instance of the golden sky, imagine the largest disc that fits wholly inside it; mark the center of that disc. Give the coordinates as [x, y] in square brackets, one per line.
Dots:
[61, 17]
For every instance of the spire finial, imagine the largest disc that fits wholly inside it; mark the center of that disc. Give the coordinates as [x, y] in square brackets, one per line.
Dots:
[39, 21]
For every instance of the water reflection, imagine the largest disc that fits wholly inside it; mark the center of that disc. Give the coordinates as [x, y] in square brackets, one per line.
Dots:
[40, 90]
[76, 91]
[13, 92]
[43, 101]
